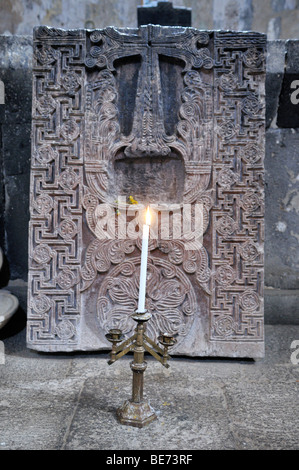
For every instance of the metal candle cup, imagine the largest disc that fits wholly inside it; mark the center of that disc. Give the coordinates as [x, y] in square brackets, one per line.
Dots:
[115, 335]
[167, 339]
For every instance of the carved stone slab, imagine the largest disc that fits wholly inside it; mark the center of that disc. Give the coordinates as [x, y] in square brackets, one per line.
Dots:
[174, 118]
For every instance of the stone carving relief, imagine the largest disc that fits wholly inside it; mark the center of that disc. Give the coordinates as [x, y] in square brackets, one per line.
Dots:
[174, 118]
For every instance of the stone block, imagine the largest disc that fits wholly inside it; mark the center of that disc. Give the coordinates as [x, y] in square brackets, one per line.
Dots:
[194, 137]
[276, 54]
[15, 150]
[164, 14]
[281, 306]
[282, 209]
[288, 109]
[233, 15]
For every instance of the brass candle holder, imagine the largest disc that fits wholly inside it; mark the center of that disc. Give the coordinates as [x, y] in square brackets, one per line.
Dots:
[137, 411]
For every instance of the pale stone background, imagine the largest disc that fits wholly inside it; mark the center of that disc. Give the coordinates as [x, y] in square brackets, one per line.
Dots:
[278, 18]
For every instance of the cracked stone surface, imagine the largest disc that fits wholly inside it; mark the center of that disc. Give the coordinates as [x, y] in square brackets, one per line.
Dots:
[68, 401]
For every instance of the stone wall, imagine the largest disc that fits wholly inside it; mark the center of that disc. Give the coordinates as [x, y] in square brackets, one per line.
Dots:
[281, 165]
[15, 127]
[278, 18]
[282, 182]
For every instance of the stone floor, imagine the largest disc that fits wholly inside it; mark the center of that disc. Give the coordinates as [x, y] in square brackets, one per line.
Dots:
[68, 401]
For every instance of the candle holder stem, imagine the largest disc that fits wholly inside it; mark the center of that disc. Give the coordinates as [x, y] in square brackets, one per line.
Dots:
[138, 366]
[137, 411]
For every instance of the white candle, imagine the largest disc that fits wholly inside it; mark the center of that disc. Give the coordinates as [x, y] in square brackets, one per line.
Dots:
[143, 266]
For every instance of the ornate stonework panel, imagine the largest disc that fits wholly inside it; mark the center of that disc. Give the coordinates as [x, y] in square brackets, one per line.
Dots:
[161, 116]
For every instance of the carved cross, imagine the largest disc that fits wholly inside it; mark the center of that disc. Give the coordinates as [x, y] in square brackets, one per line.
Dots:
[149, 43]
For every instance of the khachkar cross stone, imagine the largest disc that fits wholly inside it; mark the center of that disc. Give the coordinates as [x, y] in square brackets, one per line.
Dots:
[174, 118]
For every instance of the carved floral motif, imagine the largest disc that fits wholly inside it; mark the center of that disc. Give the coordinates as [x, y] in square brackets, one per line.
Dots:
[253, 58]
[45, 154]
[41, 304]
[70, 82]
[65, 330]
[42, 253]
[225, 275]
[226, 178]
[46, 55]
[251, 153]
[43, 204]
[248, 251]
[226, 225]
[224, 325]
[170, 298]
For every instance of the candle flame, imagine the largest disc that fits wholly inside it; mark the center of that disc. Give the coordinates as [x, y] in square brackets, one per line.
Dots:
[148, 217]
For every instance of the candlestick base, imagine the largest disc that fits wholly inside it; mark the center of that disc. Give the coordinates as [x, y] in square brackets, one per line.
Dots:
[136, 414]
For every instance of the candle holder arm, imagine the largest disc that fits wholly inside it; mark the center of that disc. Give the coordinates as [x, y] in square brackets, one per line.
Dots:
[121, 354]
[122, 349]
[156, 351]
[126, 343]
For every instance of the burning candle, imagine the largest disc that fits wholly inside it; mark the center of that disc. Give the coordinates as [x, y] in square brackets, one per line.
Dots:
[143, 266]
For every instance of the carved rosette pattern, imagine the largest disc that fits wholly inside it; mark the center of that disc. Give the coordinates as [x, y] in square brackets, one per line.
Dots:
[170, 298]
[77, 136]
[101, 257]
